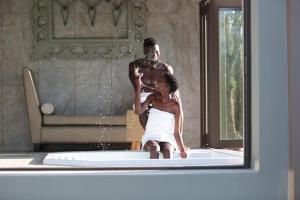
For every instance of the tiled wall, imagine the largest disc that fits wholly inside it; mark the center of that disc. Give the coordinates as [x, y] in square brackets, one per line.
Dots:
[96, 87]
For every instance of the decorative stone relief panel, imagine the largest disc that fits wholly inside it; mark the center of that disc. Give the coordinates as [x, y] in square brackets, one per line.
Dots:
[88, 29]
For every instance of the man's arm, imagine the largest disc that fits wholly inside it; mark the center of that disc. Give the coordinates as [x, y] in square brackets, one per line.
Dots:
[131, 73]
[170, 69]
[176, 96]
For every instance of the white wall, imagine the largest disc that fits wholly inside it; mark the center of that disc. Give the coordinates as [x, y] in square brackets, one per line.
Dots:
[267, 180]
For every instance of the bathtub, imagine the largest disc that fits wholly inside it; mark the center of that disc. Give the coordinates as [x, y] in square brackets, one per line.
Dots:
[127, 159]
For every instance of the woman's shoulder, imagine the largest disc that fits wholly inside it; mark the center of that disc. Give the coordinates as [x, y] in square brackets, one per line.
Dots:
[171, 106]
[174, 102]
[175, 105]
[151, 97]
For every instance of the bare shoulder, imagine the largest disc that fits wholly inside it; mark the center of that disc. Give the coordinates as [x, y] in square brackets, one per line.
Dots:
[151, 97]
[176, 106]
[166, 66]
[137, 62]
[176, 103]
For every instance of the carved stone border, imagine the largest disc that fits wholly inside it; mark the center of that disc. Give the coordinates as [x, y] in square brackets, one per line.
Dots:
[45, 47]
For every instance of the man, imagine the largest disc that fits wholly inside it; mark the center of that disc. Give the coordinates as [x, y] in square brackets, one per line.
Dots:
[152, 69]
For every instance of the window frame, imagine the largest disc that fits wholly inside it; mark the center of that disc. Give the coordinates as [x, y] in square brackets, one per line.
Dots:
[247, 134]
[210, 97]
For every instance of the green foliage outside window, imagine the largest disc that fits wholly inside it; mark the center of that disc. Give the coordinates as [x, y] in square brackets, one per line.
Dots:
[231, 65]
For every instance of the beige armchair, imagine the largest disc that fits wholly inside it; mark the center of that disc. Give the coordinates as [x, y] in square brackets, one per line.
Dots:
[77, 129]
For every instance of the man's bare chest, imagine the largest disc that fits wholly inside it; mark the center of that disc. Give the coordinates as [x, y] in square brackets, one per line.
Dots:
[152, 72]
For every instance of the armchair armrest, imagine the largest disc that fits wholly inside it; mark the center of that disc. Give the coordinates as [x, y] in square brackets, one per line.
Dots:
[134, 131]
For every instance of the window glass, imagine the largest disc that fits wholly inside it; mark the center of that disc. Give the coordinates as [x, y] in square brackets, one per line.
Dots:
[231, 73]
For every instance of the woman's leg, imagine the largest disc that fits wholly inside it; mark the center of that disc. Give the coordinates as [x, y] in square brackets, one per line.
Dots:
[167, 150]
[153, 147]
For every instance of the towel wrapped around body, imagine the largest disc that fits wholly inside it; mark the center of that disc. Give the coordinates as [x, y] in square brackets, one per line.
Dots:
[144, 96]
[160, 127]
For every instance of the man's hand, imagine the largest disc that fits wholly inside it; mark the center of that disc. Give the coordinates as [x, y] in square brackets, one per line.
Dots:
[176, 96]
[138, 77]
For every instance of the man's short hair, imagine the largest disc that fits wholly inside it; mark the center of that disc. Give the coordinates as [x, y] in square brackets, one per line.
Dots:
[172, 82]
[150, 42]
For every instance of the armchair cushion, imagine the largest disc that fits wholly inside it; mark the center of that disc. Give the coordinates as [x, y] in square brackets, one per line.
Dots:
[84, 120]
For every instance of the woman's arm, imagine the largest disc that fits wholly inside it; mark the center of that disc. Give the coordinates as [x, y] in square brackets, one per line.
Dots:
[138, 106]
[178, 133]
[137, 82]
[132, 75]
[141, 107]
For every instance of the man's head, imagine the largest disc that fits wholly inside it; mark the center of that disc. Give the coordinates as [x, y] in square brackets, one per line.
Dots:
[167, 83]
[151, 49]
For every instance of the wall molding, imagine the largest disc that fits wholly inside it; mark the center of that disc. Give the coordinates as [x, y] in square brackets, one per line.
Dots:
[45, 45]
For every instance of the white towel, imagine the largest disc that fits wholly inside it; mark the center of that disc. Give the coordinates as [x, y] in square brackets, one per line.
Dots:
[144, 96]
[160, 127]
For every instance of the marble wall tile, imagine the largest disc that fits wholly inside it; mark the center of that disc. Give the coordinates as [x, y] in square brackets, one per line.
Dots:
[165, 6]
[57, 84]
[61, 30]
[197, 17]
[159, 28]
[93, 100]
[185, 30]
[17, 6]
[180, 28]
[122, 90]
[12, 24]
[189, 80]
[12, 71]
[16, 136]
[1, 7]
[17, 38]
[191, 133]
[101, 29]
[120, 29]
[93, 71]
[102, 7]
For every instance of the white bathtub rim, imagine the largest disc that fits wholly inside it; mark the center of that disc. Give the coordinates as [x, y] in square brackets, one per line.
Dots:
[73, 159]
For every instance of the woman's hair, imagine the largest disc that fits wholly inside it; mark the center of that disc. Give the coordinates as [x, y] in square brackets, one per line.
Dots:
[172, 82]
[150, 42]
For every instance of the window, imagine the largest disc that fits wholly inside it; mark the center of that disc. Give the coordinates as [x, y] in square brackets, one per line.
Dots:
[231, 70]
[224, 81]
[225, 75]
